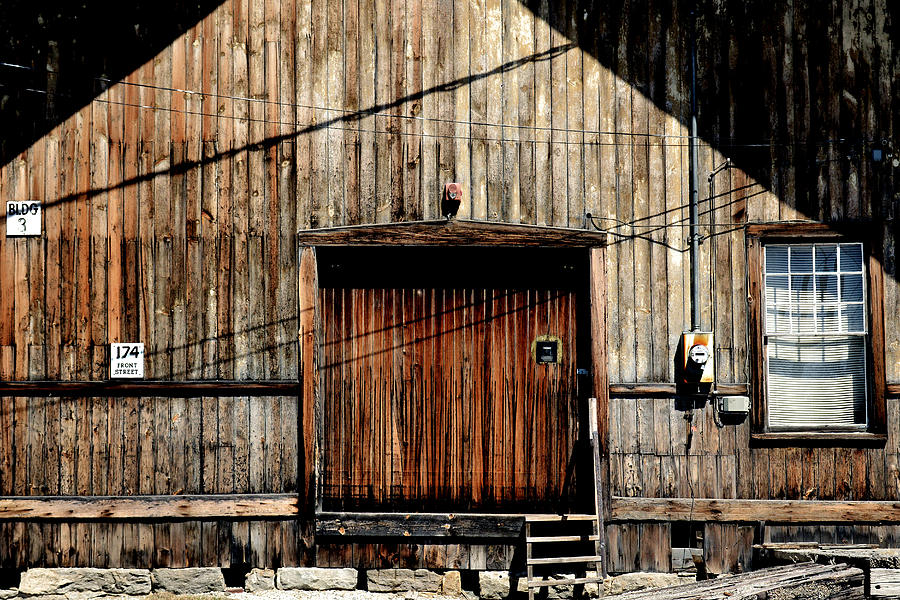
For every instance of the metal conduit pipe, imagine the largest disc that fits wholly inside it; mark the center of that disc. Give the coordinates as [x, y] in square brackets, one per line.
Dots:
[694, 216]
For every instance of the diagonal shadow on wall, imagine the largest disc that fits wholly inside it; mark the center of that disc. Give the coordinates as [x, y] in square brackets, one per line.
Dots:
[797, 96]
[57, 56]
[801, 96]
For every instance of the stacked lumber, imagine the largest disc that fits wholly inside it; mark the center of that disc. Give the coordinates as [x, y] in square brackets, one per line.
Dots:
[804, 580]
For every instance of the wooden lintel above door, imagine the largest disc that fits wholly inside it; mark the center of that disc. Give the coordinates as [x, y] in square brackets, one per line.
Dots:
[457, 232]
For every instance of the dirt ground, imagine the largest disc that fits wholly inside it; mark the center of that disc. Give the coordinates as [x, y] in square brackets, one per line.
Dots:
[303, 595]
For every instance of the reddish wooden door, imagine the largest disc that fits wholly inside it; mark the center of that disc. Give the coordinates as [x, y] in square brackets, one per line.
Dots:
[432, 399]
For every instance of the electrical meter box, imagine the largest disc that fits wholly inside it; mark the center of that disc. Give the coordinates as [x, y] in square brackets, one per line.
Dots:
[734, 405]
[697, 357]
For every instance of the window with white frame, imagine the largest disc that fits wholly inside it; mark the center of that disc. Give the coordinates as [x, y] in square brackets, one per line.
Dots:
[815, 334]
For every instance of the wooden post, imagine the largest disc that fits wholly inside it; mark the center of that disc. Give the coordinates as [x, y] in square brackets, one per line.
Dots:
[599, 403]
[876, 344]
[754, 298]
[310, 402]
[598, 483]
[599, 367]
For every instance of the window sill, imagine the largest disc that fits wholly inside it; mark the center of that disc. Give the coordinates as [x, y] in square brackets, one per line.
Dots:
[863, 439]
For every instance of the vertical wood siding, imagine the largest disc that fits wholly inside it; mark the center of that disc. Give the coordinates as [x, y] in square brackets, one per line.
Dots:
[140, 446]
[432, 399]
[147, 445]
[659, 452]
[172, 198]
[170, 214]
[142, 545]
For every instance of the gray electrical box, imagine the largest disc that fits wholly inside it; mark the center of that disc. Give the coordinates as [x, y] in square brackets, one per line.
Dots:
[734, 404]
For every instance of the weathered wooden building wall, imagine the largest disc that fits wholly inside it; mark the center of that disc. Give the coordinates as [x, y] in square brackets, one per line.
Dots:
[172, 199]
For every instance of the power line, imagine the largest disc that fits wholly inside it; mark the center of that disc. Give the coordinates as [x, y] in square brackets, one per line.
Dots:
[332, 127]
[361, 114]
[364, 113]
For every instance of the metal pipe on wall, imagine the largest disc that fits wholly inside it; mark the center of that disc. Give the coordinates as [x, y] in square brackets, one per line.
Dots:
[694, 216]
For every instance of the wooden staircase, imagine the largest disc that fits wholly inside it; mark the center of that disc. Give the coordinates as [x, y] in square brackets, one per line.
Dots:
[562, 538]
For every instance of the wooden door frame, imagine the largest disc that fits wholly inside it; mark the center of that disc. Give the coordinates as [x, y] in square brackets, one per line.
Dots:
[454, 233]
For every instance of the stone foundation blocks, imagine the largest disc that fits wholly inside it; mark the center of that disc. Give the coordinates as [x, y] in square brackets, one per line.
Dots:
[191, 580]
[315, 578]
[403, 580]
[495, 585]
[259, 580]
[451, 584]
[630, 582]
[84, 583]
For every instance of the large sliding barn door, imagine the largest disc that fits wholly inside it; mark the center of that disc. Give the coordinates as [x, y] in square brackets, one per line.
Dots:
[432, 399]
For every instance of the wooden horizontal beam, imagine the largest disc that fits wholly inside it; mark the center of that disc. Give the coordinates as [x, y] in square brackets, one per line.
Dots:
[419, 525]
[795, 229]
[201, 388]
[663, 390]
[853, 439]
[752, 511]
[170, 389]
[82, 508]
[857, 228]
[458, 232]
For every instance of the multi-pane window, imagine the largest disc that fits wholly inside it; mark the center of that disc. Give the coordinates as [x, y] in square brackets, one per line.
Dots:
[815, 328]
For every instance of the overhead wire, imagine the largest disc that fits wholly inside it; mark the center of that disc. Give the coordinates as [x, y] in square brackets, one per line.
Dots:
[351, 114]
[363, 114]
[594, 219]
[333, 127]
[418, 134]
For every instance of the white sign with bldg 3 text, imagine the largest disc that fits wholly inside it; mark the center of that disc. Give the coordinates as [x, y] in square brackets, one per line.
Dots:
[23, 218]
[126, 361]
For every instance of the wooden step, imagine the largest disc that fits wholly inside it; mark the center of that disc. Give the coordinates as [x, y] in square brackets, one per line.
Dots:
[557, 518]
[575, 581]
[562, 538]
[557, 560]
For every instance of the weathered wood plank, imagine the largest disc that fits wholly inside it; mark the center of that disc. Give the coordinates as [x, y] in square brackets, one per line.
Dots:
[310, 408]
[460, 232]
[665, 390]
[169, 388]
[509, 204]
[403, 525]
[884, 583]
[599, 362]
[791, 581]
[543, 147]
[224, 506]
[741, 510]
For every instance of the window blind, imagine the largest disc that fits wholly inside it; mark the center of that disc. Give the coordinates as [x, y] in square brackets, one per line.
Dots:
[817, 382]
[815, 335]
